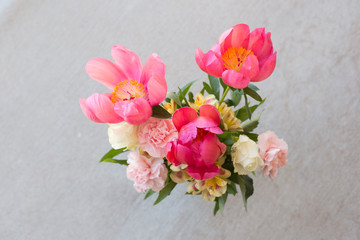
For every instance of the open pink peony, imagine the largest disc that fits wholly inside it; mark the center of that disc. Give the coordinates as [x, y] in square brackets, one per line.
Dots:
[240, 56]
[274, 153]
[197, 145]
[135, 89]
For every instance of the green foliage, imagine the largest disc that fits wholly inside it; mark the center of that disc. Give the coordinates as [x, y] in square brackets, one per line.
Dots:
[165, 191]
[112, 153]
[246, 187]
[242, 112]
[253, 87]
[160, 112]
[231, 188]
[252, 124]
[149, 193]
[208, 88]
[186, 88]
[111, 160]
[216, 207]
[236, 97]
[191, 97]
[215, 85]
[175, 97]
[253, 94]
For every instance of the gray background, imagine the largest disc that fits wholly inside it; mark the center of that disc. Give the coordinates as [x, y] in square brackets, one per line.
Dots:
[51, 184]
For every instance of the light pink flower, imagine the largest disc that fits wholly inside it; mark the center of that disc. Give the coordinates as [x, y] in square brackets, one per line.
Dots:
[154, 134]
[147, 173]
[240, 56]
[197, 146]
[273, 151]
[135, 89]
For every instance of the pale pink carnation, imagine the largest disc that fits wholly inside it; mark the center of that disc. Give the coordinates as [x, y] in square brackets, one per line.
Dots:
[147, 173]
[154, 134]
[273, 151]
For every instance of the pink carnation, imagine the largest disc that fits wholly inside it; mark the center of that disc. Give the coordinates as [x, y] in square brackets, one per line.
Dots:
[273, 151]
[147, 173]
[154, 134]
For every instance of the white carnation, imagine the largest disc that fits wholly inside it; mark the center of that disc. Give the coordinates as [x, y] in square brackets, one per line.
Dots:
[123, 135]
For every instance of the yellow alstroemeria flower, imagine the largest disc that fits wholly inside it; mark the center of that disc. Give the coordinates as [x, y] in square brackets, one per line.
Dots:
[170, 106]
[230, 122]
[201, 100]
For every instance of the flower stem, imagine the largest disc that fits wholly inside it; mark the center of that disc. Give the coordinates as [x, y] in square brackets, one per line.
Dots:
[246, 104]
[224, 95]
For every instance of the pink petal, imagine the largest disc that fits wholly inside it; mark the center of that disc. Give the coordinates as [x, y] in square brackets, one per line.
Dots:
[266, 69]
[127, 61]
[102, 107]
[256, 40]
[157, 89]
[153, 66]
[87, 111]
[211, 149]
[235, 79]
[134, 112]
[203, 172]
[183, 116]
[105, 72]
[250, 68]
[267, 49]
[211, 112]
[178, 153]
[209, 62]
[187, 133]
[238, 37]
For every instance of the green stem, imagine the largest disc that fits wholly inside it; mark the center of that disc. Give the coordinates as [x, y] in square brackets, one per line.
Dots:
[224, 95]
[246, 104]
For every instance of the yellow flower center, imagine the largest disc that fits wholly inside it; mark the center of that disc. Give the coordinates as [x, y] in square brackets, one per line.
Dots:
[233, 58]
[128, 90]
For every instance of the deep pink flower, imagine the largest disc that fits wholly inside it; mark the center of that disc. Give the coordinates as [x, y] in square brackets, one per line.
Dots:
[197, 146]
[273, 151]
[239, 57]
[135, 89]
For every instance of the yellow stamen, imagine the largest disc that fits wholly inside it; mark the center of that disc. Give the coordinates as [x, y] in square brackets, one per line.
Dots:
[233, 58]
[128, 90]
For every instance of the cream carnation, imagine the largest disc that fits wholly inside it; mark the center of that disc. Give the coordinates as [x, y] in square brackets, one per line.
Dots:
[147, 173]
[154, 134]
[123, 135]
[245, 155]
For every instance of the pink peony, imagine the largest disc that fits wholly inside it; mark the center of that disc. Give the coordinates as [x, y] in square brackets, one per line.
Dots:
[135, 89]
[239, 56]
[197, 146]
[273, 151]
[154, 134]
[147, 173]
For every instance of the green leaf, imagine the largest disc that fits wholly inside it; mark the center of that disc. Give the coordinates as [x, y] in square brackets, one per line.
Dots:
[229, 102]
[215, 85]
[182, 97]
[231, 188]
[149, 193]
[175, 97]
[208, 88]
[246, 187]
[253, 87]
[229, 140]
[187, 87]
[112, 153]
[253, 94]
[222, 201]
[111, 160]
[202, 91]
[160, 112]
[236, 97]
[216, 207]
[165, 191]
[242, 113]
[252, 124]
[191, 97]
[252, 136]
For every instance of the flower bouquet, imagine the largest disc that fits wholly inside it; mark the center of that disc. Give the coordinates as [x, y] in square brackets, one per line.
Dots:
[207, 139]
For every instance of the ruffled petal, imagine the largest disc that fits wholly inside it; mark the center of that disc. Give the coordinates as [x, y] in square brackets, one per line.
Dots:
[153, 66]
[102, 107]
[178, 154]
[157, 89]
[266, 69]
[127, 61]
[209, 62]
[267, 49]
[183, 116]
[211, 149]
[105, 72]
[235, 79]
[211, 112]
[237, 37]
[134, 112]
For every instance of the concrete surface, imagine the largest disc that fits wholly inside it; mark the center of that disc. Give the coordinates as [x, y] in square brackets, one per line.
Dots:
[52, 186]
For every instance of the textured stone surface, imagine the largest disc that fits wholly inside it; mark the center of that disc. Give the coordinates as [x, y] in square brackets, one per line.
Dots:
[51, 184]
